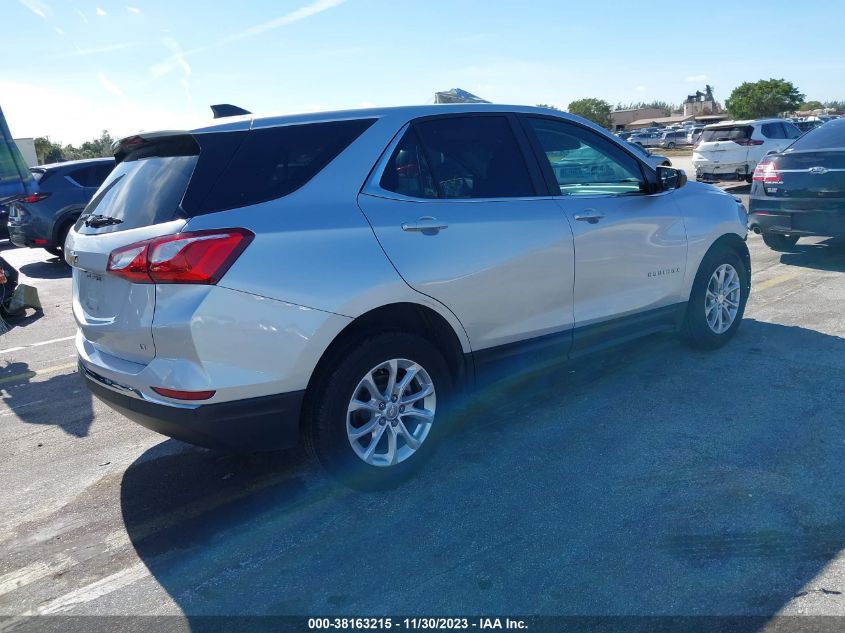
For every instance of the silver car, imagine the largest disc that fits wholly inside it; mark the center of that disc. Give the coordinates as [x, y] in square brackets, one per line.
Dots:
[346, 278]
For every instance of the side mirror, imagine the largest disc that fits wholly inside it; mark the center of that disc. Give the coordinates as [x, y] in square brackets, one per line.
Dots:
[671, 178]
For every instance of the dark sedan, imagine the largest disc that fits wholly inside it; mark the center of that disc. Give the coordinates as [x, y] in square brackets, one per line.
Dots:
[801, 190]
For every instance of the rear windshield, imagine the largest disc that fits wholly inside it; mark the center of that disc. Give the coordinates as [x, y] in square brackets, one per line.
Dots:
[827, 136]
[145, 188]
[184, 176]
[731, 133]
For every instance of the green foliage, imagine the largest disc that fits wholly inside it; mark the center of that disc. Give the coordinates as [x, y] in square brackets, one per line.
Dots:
[811, 105]
[667, 108]
[595, 110]
[767, 97]
[50, 152]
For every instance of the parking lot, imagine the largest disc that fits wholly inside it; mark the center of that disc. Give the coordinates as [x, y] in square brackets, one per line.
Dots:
[651, 480]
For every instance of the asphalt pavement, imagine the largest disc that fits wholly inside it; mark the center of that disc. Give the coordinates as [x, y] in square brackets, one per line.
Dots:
[652, 480]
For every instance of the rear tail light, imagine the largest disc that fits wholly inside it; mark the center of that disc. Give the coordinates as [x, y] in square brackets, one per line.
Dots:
[200, 257]
[745, 142]
[35, 197]
[766, 171]
[183, 395]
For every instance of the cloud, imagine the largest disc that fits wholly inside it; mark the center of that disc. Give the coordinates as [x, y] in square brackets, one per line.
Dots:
[58, 30]
[30, 109]
[697, 78]
[296, 15]
[81, 52]
[640, 88]
[110, 86]
[101, 12]
[37, 7]
[135, 10]
[176, 61]
[80, 14]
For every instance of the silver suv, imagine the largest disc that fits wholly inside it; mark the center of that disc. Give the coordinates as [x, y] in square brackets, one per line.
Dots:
[344, 277]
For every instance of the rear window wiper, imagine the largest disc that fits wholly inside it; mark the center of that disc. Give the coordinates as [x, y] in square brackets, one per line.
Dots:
[97, 221]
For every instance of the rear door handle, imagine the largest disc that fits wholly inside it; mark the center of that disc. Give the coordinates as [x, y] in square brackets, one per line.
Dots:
[589, 215]
[426, 225]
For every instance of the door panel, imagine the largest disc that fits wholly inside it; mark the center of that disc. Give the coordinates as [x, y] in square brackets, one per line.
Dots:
[630, 245]
[504, 267]
[630, 260]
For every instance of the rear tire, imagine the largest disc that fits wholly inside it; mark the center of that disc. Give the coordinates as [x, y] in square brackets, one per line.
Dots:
[780, 242]
[717, 301]
[58, 250]
[363, 438]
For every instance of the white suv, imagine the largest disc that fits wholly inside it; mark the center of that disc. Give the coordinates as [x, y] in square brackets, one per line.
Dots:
[732, 149]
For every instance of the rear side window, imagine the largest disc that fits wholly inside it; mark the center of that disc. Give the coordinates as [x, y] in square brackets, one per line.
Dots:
[474, 157]
[91, 175]
[727, 133]
[828, 136]
[407, 172]
[273, 162]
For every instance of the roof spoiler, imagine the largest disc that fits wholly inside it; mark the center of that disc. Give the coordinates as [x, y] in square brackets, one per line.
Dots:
[223, 110]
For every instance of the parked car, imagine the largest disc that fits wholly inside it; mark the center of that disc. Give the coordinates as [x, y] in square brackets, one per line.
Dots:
[43, 218]
[732, 149]
[673, 139]
[694, 133]
[4, 220]
[655, 159]
[346, 276]
[624, 135]
[645, 139]
[801, 190]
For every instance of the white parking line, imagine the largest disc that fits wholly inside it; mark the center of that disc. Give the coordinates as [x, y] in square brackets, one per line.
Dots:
[39, 344]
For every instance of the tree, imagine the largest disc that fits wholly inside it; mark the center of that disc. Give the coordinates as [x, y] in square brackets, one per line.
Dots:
[47, 151]
[595, 110]
[667, 108]
[546, 105]
[810, 105]
[767, 97]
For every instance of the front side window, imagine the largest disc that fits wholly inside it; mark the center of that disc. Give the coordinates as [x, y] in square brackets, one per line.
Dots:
[584, 163]
[475, 157]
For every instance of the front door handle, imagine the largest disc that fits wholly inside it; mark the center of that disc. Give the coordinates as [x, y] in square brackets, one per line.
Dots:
[426, 225]
[589, 215]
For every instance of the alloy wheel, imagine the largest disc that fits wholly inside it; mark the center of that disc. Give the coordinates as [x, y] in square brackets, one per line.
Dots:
[391, 412]
[721, 302]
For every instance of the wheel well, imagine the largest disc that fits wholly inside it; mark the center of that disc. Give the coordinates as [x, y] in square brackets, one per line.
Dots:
[403, 317]
[66, 221]
[737, 244]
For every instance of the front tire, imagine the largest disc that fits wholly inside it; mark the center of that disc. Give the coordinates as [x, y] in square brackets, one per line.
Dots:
[375, 413]
[780, 242]
[718, 298]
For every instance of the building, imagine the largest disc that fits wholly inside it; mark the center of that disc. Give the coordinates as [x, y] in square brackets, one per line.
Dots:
[663, 121]
[621, 119]
[456, 95]
[701, 103]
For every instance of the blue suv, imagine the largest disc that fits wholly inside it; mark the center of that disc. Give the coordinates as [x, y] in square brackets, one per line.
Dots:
[42, 219]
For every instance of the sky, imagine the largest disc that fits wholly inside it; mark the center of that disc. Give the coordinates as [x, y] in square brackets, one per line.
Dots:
[72, 68]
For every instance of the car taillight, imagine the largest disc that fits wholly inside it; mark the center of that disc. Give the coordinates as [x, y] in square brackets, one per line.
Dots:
[747, 141]
[766, 172]
[35, 197]
[200, 257]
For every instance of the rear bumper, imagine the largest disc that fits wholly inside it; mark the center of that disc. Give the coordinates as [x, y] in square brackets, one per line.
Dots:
[798, 223]
[254, 424]
[711, 170]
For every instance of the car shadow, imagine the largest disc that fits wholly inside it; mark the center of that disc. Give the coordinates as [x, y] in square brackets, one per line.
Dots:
[53, 268]
[652, 480]
[827, 255]
[61, 400]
